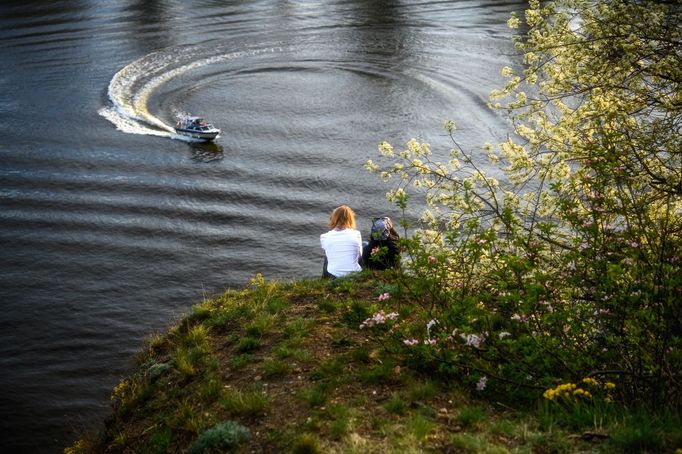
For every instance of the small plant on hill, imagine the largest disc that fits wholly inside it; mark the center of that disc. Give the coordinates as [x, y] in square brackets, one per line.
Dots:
[225, 436]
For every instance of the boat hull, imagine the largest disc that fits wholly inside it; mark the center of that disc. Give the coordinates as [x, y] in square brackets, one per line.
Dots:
[200, 135]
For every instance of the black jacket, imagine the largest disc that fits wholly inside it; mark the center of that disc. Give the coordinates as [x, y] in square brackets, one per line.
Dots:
[387, 257]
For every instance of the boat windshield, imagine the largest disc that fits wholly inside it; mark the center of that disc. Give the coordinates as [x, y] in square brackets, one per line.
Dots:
[194, 124]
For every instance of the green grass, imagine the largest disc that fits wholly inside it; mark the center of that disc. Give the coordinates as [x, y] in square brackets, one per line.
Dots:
[186, 362]
[276, 305]
[422, 391]
[186, 417]
[306, 444]
[297, 328]
[260, 325]
[420, 426]
[285, 351]
[239, 361]
[327, 307]
[248, 344]
[210, 389]
[288, 363]
[470, 417]
[329, 369]
[159, 441]
[360, 354]
[356, 313]
[250, 402]
[317, 395]
[275, 368]
[395, 405]
[229, 312]
[196, 337]
[341, 418]
[471, 443]
[380, 373]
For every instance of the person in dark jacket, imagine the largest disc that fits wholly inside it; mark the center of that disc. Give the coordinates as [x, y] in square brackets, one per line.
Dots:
[382, 251]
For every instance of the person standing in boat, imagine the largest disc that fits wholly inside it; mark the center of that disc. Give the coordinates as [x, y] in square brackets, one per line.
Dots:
[342, 244]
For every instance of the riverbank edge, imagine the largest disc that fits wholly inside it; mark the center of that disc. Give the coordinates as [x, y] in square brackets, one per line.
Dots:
[287, 367]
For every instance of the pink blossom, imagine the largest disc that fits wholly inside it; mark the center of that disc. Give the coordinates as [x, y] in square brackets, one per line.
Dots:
[379, 319]
[384, 296]
[432, 259]
[473, 340]
[410, 342]
[480, 385]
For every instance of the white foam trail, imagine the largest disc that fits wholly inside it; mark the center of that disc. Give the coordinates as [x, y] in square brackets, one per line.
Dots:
[131, 87]
[128, 124]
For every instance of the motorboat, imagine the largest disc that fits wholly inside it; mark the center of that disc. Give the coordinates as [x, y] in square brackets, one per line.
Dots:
[196, 128]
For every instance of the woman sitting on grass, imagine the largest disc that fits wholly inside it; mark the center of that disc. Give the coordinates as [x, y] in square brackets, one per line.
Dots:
[342, 244]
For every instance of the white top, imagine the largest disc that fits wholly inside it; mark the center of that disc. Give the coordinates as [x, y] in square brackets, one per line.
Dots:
[343, 249]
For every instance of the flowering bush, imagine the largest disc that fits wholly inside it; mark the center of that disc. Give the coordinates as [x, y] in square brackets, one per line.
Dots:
[569, 266]
[379, 318]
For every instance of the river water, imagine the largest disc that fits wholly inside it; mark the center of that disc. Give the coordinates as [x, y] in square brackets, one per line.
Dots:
[112, 226]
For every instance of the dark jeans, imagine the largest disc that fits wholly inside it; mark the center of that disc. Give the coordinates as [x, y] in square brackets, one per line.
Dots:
[326, 274]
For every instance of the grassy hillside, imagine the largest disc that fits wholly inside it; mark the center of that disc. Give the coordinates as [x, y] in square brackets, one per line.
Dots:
[285, 367]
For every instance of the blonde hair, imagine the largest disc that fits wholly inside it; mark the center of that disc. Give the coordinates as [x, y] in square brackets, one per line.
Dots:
[342, 217]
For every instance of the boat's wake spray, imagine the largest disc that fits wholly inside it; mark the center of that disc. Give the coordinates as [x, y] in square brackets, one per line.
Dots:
[131, 87]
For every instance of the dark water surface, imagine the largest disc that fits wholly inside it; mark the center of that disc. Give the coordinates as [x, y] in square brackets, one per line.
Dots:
[111, 227]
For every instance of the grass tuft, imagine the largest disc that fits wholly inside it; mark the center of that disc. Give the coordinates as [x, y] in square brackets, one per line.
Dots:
[317, 395]
[298, 354]
[423, 391]
[244, 402]
[306, 444]
[420, 426]
[298, 328]
[248, 344]
[395, 404]
[210, 389]
[470, 417]
[239, 361]
[260, 325]
[275, 368]
[341, 416]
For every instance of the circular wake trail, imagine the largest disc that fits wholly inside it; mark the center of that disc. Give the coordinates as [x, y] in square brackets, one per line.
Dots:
[131, 87]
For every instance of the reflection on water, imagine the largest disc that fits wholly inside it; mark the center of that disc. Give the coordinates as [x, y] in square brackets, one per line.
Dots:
[110, 233]
[206, 151]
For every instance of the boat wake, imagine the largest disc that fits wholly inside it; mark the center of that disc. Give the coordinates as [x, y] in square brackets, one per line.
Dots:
[131, 88]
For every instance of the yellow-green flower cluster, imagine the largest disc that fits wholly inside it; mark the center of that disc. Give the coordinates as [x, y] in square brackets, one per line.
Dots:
[590, 381]
[608, 386]
[120, 391]
[579, 392]
[569, 390]
[563, 390]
